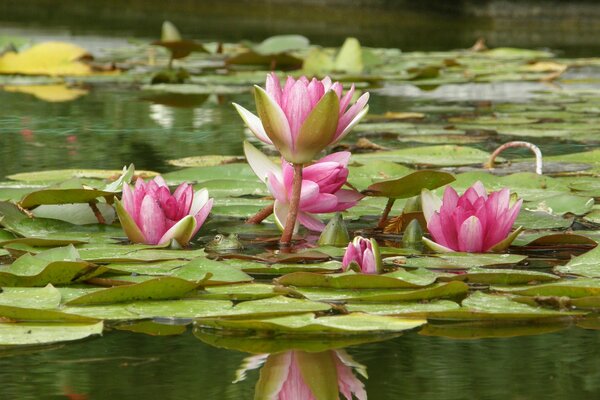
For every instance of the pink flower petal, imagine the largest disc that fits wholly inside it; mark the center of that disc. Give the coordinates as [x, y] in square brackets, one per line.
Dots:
[311, 222]
[350, 255]
[322, 203]
[296, 106]
[345, 101]
[152, 220]
[470, 236]
[273, 87]
[253, 123]
[201, 216]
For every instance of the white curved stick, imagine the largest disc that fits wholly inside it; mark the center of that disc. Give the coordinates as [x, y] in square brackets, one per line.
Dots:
[536, 150]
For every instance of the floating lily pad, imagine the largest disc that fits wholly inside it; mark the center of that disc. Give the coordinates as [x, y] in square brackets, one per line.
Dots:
[210, 272]
[152, 328]
[405, 309]
[482, 306]
[587, 265]
[307, 324]
[62, 196]
[158, 288]
[253, 267]
[457, 260]
[56, 266]
[36, 333]
[439, 156]
[241, 292]
[410, 185]
[353, 280]
[573, 288]
[437, 291]
[503, 276]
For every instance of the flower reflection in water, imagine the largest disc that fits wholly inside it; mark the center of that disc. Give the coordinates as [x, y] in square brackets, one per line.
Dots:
[295, 375]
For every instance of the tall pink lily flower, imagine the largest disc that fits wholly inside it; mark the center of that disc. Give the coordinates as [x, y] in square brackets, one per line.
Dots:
[474, 222]
[150, 214]
[295, 375]
[362, 254]
[321, 186]
[303, 117]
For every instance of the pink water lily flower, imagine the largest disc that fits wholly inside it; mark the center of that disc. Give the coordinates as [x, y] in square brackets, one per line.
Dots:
[362, 254]
[474, 222]
[300, 375]
[321, 186]
[304, 116]
[150, 214]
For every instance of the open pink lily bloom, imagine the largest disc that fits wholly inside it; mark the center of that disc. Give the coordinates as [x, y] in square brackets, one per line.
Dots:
[474, 222]
[299, 375]
[303, 117]
[362, 254]
[150, 214]
[321, 186]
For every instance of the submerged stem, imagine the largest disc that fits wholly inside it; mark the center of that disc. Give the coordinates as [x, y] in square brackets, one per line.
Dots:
[261, 215]
[386, 213]
[290, 222]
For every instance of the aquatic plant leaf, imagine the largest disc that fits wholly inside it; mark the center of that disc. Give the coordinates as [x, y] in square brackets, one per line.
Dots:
[503, 276]
[431, 156]
[253, 267]
[542, 220]
[158, 288]
[442, 290]
[56, 266]
[458, 260]
[48, 58]
[62, 196]
[36, 333]
[60, 175]
[406, 309]
[409, 185]
[210, 272]
[152, 328]
[309, 324]
[349, 58]
[77, 214]
[482, 306]
[573, 288]
[353, 280]
[239, 292]
[587, 265]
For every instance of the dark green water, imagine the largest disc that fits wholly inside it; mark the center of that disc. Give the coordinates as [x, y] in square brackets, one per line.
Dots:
[561, 365]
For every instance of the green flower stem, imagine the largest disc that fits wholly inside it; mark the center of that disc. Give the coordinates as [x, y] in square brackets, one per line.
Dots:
[290, 222]
[261, 215]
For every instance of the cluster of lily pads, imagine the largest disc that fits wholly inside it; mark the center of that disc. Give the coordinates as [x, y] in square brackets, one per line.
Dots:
[424, 235]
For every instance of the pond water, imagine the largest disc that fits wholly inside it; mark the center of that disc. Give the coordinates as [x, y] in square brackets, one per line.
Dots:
[111, 125]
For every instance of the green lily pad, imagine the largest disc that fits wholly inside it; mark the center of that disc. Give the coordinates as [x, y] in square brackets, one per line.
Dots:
[482, 306]
[436, 291]
[62, 196]
[253, 267]
[573, 288]
[409, 185]
[210, 272]
[587, 265]
[57, 266]
[37, 333]
[565, 203]
[452, 261]
[353, 280]
[308, 324]
[405, 309]
[241, 292]
[439, 156]
[503, 276]
[159, 288]
[152, 328]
